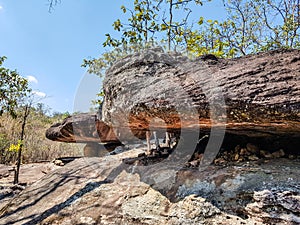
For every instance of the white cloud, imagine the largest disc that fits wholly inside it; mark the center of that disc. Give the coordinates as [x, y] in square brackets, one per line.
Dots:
[1, 7]
[32, 79]
[39, 94]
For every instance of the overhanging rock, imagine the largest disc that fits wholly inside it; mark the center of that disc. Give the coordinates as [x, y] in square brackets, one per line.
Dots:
[255, 95]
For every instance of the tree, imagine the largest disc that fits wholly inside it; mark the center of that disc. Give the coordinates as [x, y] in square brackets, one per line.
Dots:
[16, 100]
[136, 34]
[140, 28]
[177, 30]
[13, 88]
[250, 27]
[25, 109]
[282, 20]
[148, 25]
[26, 112]
[208, 40]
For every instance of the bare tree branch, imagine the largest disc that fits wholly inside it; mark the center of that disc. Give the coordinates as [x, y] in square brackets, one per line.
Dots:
[52, 4]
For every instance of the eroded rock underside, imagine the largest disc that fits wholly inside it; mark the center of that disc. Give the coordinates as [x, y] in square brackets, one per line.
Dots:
[256, 95]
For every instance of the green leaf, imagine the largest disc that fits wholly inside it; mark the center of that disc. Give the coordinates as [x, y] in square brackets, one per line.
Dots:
[123, 9]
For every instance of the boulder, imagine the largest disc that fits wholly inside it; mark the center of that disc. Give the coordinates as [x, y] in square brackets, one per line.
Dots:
[255, 95]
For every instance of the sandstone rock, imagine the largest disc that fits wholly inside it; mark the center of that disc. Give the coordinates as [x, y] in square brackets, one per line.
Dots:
[82, 128]
[279, 206]
[107, 191]
[253, 157]
[257, 94]
[278, 154]
[93, 149]
[29, 173]
[252, 148]
[58, 162]
[265, 154]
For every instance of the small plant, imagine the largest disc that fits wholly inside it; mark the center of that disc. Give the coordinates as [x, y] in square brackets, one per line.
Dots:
[15, 147]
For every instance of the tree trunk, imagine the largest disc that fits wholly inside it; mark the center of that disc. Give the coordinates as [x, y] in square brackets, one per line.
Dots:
[19, 159]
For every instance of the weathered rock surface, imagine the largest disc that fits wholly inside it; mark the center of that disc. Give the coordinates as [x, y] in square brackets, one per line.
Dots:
[82, 128]
[256, 95]
[29, 173]
[107, 191]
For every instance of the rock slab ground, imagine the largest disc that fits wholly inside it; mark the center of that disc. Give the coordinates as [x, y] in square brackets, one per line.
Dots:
[108, 191]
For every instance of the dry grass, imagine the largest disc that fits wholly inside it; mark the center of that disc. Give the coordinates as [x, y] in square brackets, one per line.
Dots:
[36, 147]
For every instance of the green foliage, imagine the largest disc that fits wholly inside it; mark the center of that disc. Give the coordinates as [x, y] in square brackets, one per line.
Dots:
[208, 40]
[175, 22]
[250, 27]
[259, 25]
[283, 31]
[140, 28]
[149, 24]
[13, 88]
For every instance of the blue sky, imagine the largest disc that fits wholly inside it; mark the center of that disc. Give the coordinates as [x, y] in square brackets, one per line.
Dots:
[48, 48]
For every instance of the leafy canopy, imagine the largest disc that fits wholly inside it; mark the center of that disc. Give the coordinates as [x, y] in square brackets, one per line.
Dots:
[249, 27]
[13, 89]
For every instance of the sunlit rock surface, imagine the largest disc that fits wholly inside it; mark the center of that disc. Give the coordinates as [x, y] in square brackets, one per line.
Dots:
[255, 95]
[107, 191]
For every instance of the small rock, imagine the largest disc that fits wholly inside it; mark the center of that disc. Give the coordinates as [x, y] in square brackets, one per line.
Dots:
[278, 154]
[265, 154]
[194, 163]
[236, 157]
[220, 161]
[226, 156]
[246, 151]
[252, 148]
[58, 162]
[237, 148]
[198, 156]
[292, 156]
[243, 151]
[253, 158]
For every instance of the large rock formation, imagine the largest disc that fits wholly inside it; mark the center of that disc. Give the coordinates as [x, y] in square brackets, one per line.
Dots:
[110, 191]
[256, 95]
